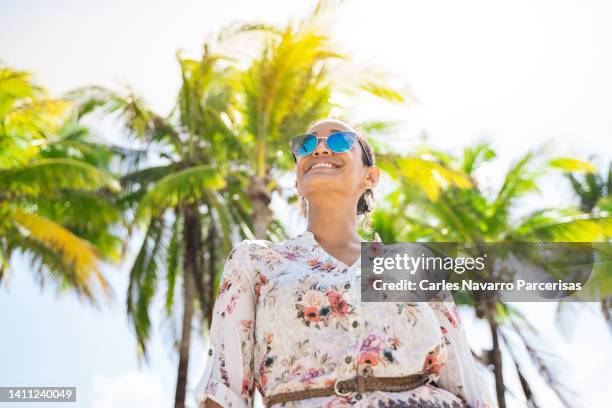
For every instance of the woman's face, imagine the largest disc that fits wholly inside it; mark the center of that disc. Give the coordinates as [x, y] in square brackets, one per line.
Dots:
[347, 174]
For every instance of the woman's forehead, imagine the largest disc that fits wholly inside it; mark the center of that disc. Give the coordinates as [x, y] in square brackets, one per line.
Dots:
[330, 126]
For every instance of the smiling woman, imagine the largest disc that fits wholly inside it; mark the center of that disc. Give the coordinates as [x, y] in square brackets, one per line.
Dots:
[289, 320]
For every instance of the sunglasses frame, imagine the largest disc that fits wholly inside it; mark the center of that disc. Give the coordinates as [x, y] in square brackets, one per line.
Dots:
[370, 163]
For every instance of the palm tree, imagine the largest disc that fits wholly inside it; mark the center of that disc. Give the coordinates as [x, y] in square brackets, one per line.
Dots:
[55, 201]
[472, 215]
[290, 83]
[188, 204]
[593, 189]
[595, 194]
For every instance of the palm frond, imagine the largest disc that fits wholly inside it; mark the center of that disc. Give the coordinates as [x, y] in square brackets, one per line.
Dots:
[549, 368]
[431, 177]
[138, 118]
[50, 174]
[75, 252]
[569, 164]
[186, 186]
[553, 225]
[143, 282]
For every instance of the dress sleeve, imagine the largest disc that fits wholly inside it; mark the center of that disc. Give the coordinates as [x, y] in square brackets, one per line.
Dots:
[228, 377]
[459, 374]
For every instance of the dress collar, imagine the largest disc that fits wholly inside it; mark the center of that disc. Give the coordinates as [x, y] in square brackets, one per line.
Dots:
[307, 234]
[307, 238]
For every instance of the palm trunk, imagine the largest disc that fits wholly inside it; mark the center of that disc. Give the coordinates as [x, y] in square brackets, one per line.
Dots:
[531, 402]
[189, 270]
[212, 262]
[260, 197]
[606, 305]
[496, 356]
[181, 382]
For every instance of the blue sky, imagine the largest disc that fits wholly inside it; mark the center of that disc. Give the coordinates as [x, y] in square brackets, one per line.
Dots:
[517, 74]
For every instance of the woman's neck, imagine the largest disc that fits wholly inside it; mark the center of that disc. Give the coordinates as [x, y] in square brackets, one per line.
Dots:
[334, 225]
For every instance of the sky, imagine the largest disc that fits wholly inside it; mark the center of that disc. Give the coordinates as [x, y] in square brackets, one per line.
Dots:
[517, 74]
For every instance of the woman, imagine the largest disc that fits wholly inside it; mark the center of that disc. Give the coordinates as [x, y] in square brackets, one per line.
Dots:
[288, 319]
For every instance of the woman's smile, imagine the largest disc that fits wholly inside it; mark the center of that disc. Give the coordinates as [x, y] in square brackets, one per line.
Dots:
[323, 165]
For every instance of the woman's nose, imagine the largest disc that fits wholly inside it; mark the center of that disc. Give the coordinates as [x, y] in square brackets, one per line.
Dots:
[322, 148]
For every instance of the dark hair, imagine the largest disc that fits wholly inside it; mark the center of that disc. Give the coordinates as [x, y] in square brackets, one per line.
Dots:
[362, 204]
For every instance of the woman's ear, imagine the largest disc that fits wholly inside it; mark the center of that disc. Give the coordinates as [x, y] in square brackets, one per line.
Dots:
[372, 177]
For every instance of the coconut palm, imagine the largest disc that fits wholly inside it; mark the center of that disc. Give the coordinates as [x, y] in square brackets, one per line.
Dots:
[594, 191]
[292, 81]
[475, 215]
[55, 202]
[184, 199]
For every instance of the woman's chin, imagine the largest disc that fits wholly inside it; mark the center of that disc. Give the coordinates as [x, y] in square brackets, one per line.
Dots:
[321, 184]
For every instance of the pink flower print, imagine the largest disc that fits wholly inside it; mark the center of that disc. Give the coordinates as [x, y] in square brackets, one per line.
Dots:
[311, 314]
[376, 249]
[451, 318]
[434, 361]
[224, 286]
[373, 342]
[396, 342]
[339, 402]
[368, 357]
[247, 385]
[246, 324]
[297, 370]
[456, 314]
[314, 263]
[339, 306]
[310, 374]
[263, 381]
[232, 303]
[291, 256]
[263, 279]
[327, 266]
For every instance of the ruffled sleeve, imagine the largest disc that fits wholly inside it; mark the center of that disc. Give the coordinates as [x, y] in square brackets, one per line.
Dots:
[228, 377]
[459, 374]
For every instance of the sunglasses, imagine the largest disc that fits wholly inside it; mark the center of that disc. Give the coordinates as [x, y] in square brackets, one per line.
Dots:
[337, 142]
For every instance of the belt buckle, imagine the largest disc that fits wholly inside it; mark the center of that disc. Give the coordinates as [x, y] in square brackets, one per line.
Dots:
[342, 394]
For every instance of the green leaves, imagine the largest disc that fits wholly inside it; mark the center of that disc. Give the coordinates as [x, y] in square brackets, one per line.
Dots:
[382, 91]
[569, 164]
[55, 200]
[430, 176]
[45, 175]
[185, 186]
[28, 117]
[553, 225]
[75, 252]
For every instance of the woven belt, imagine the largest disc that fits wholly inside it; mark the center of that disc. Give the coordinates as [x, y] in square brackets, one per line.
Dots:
[359, 383]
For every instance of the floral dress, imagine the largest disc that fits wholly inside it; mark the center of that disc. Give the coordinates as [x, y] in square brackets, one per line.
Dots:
[289, 317]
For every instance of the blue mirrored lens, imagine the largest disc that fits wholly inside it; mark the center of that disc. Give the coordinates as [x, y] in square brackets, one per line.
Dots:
[340, 142]
[308, 145]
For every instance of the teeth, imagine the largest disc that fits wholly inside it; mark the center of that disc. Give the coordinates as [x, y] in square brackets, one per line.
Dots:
[327, 165]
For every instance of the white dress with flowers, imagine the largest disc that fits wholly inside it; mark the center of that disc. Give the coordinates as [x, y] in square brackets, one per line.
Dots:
[288, 317]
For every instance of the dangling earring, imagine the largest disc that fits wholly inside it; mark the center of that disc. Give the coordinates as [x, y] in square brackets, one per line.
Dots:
[304, 205]
[368, 197]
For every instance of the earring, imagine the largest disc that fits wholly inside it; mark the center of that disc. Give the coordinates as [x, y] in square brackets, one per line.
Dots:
[369, 199]
[304, 205]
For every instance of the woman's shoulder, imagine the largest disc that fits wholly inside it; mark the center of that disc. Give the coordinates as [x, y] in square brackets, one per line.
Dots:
[249, 246]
